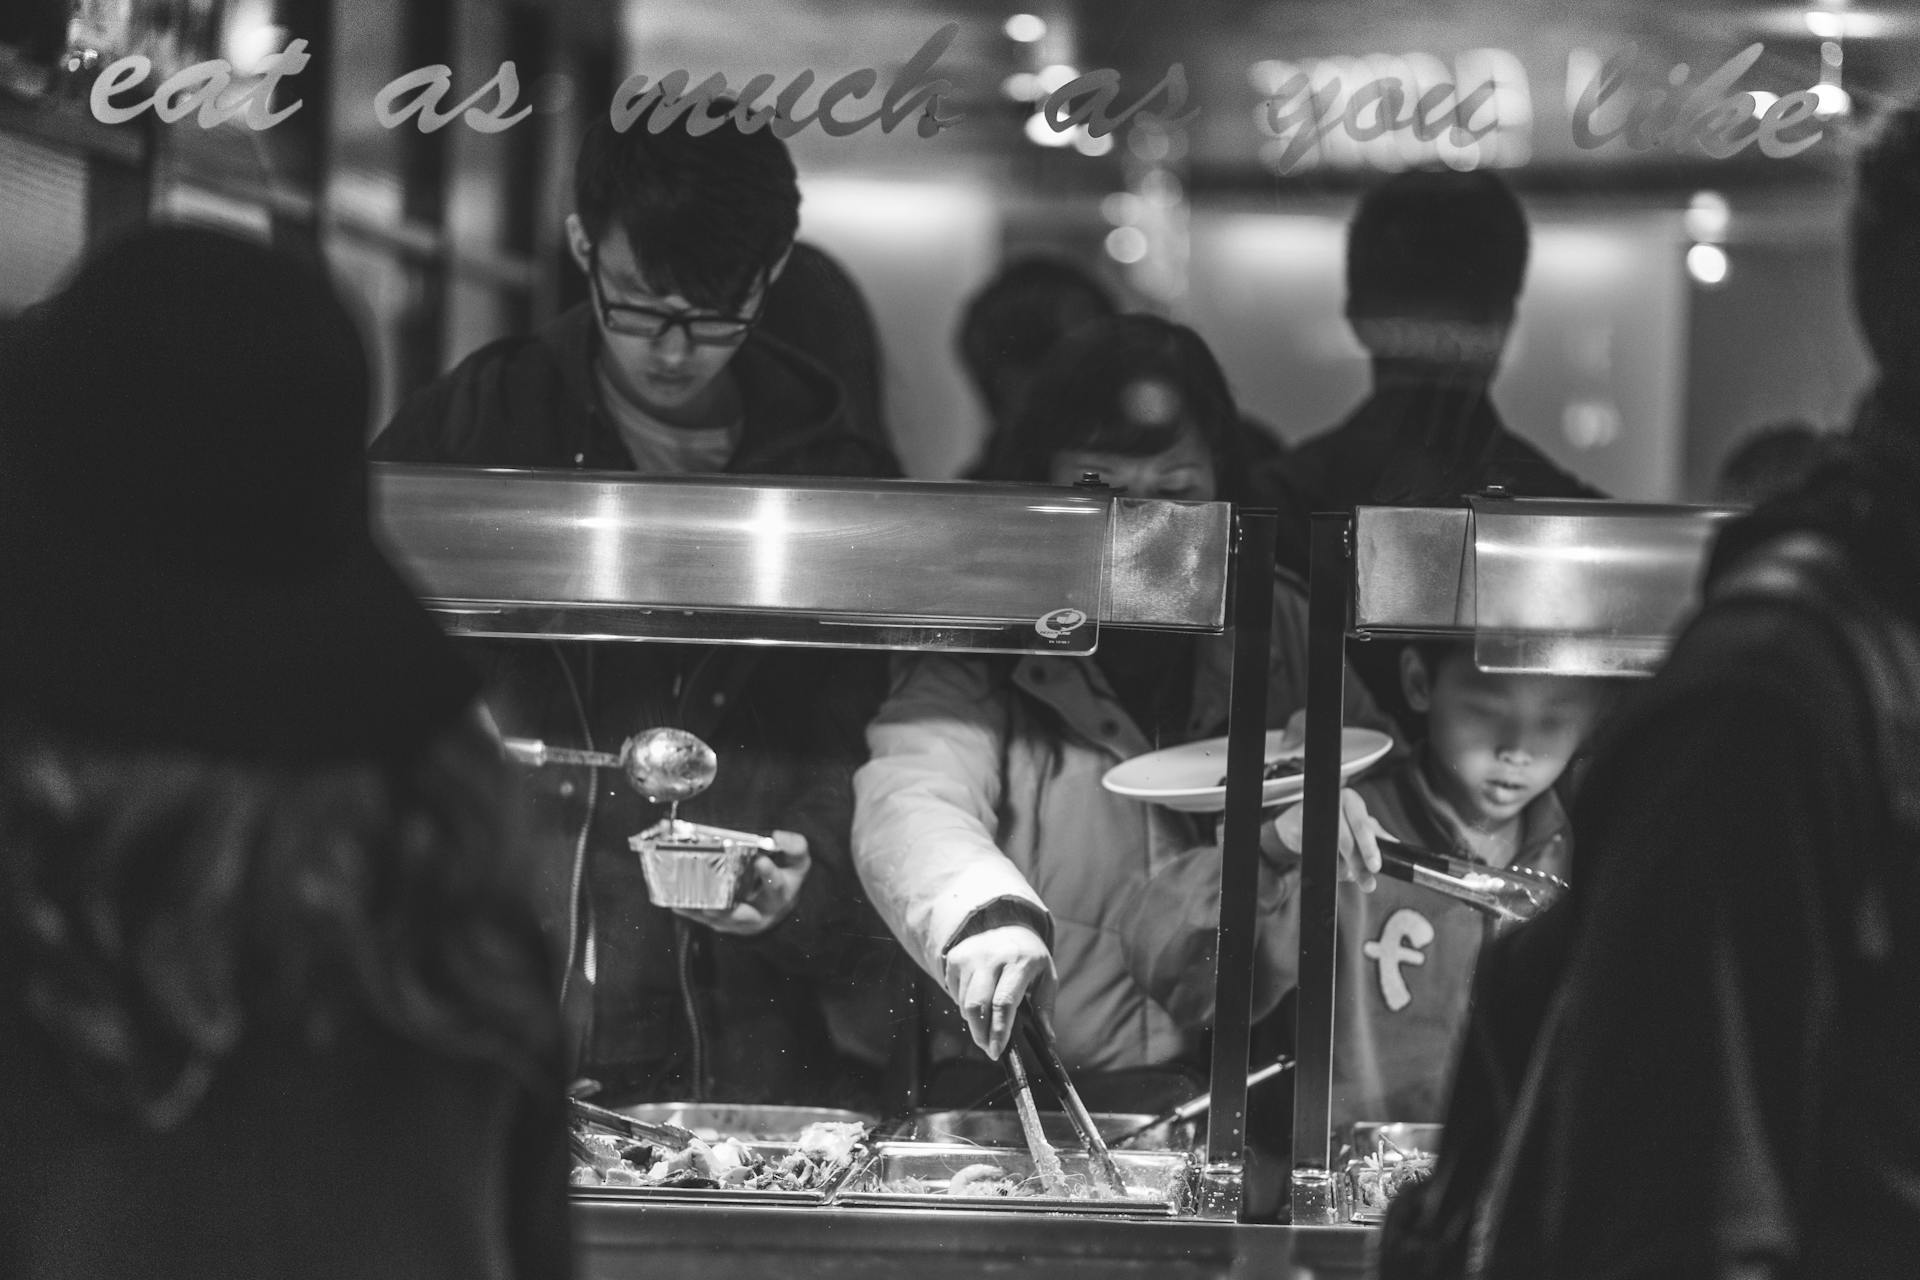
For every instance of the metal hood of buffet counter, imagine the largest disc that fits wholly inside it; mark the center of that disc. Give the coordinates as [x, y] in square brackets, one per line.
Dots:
[1576, 587]
[881, 564]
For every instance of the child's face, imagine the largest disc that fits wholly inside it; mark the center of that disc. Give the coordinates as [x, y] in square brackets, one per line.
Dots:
[1495, 742]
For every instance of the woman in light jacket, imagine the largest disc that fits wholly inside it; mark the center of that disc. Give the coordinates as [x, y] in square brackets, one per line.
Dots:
[981, 830]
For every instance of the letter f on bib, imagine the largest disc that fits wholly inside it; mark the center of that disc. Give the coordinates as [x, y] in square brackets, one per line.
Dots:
[1401, 937]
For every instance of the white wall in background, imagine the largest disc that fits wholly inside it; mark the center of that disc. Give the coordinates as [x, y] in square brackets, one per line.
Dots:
[918, 249]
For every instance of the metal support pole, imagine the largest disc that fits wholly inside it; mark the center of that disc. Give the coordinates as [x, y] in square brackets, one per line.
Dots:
[1240, 841]
[1329, 597]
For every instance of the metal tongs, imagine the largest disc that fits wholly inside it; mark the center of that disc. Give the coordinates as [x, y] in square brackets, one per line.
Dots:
[1506, 895]
[1194, 1108]
[671, 1137]
[1032, 1039]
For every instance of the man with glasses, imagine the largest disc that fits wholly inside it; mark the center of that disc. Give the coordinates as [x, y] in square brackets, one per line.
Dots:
[666, 369]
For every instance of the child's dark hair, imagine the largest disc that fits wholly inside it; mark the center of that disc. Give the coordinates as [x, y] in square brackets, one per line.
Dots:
[1130, 385]
[707, 216]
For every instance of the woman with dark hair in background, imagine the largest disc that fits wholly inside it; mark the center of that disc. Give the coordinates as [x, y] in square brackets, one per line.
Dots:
[275, 1001]
[981, 830]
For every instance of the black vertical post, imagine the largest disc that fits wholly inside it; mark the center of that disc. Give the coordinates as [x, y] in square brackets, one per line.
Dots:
[1329, 594]
[1240, 841]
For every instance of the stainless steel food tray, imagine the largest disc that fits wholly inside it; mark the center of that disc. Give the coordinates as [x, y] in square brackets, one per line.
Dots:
[1162, 1180]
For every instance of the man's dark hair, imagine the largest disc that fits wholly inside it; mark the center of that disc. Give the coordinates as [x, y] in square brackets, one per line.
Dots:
[1127, 384]
[1886, 247]
[707, 216]
[1436, 244]
[1019, 315]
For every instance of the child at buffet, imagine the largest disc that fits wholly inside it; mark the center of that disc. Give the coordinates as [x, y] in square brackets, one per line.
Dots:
[1480, 786]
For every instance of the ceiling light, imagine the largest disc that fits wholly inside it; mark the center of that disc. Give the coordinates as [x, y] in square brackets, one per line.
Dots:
[1055, 75]
[1026, 28]
[1826, 25]
[1707, 263]
[1707, 217]
[1039, 131]
[1126, 244]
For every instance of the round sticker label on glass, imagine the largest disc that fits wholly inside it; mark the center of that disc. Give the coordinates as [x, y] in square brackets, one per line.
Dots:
[1060, 622]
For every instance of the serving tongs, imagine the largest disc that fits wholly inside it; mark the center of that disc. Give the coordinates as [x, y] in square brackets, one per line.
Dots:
[670, 1137]
[1506, 895]
[1032, 1039]
[1194, 1108]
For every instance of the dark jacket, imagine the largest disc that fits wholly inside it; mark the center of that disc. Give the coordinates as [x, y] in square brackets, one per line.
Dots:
[1414, 445]
[1728, 1065]
[677, 1010]
[1419, 445]
[530, 401]
[373, 1160]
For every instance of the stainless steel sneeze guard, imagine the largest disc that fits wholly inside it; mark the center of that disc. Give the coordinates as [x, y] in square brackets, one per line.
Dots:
[1566, 586]
[891, 564]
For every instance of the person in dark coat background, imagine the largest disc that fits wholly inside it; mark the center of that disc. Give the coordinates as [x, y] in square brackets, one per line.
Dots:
[1435, 261]
[274, 999]
[1723, 1085]
[667, 369]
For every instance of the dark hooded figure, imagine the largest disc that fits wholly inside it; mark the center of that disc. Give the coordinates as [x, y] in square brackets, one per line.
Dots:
[1435, 261]
[1723, 1085]
[273, 996]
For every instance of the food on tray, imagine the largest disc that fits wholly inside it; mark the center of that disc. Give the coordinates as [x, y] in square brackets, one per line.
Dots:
[1376, 1178]
[987, 1181]
[1281, 767]
[822, 1151]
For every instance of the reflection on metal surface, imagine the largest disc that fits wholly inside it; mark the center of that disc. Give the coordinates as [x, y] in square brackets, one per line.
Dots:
[896, 564]
[1169, 564]
[1409, 568]
[1567, 586]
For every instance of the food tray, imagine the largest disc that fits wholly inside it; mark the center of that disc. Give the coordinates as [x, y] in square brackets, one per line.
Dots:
[1002, 1129]
[748, 1122]
[729, 1195]
[704, 877]
[1162, 1179]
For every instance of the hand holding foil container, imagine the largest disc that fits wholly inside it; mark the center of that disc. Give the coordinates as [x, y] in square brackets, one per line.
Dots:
[688, 865]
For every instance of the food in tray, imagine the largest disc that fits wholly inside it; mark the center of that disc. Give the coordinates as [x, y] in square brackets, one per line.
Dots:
[988, 1181]
[822, 1151]
[1379, 1176]
[1280, 767]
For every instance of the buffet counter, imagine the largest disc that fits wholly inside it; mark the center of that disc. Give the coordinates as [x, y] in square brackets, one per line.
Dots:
[622, 1240]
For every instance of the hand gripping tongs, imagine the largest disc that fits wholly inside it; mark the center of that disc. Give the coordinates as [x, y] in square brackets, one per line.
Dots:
[1032, 1039]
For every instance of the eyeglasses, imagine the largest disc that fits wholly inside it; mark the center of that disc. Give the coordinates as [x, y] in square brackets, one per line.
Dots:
[653, 323]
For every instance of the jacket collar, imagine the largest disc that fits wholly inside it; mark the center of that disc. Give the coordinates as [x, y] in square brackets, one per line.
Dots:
[1077, 690]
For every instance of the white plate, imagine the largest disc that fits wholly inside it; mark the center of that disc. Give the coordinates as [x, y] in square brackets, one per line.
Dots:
[1187, 777]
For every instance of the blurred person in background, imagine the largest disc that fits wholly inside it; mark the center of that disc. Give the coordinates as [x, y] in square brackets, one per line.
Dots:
[1772, 460]
[1435, 262]
[1722, 1079]
[1007, 329]
[274, 998]
[981, 829]
[668, 369]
